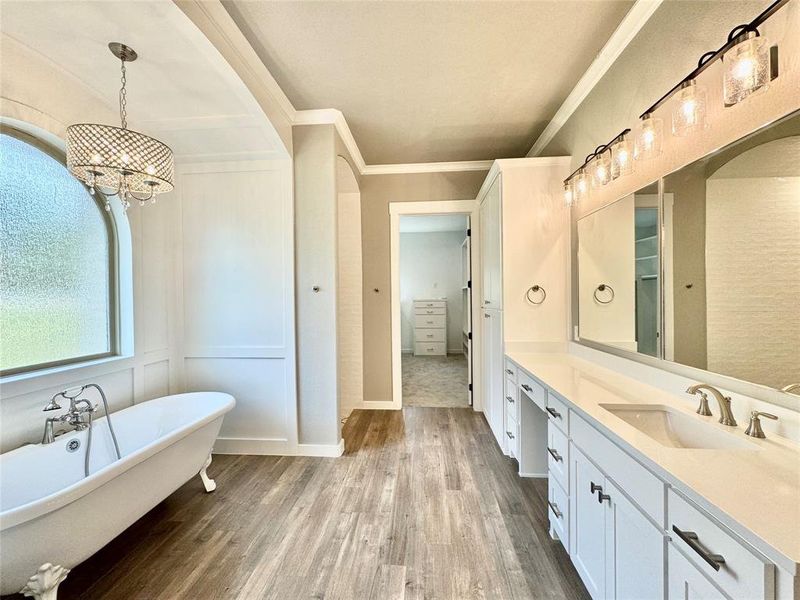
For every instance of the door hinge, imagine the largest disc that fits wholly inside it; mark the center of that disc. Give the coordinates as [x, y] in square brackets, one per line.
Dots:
[469, 284]
[469, 335]
[469, 232]
[470, 387]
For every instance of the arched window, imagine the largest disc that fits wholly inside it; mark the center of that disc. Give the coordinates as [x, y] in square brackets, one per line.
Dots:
[57, 262]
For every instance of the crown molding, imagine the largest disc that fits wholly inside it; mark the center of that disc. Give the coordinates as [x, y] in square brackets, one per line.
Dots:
[633, 22]
[432, 167]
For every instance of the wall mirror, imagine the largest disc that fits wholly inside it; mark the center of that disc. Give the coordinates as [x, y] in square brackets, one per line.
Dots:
[706, 273]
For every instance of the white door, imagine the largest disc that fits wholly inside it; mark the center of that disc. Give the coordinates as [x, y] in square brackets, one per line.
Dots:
[491, 248]
[686, 582]
[587, 523]
[634, 550]
[492, 359]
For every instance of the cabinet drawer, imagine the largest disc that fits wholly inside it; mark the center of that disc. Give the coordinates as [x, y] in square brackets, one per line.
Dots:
[429, 335]
[558, 510]
[641, 485]
[510, 399]
[429, 311]
[429, 348]
[744, 573]
[532, 389]
[510, 370]
[429, 321]
[512, 435]
[430, 303]
[558, 412]
[558, 455]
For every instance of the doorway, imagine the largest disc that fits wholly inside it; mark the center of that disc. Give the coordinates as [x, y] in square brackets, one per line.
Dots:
[432, 260]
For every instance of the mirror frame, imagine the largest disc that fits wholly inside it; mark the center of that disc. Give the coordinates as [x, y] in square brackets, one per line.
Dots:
[726, 382]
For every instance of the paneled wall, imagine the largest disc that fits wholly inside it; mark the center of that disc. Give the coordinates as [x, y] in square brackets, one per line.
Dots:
[236, 298]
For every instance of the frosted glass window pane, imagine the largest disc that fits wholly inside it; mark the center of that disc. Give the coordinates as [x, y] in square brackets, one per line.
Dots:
[54, 262]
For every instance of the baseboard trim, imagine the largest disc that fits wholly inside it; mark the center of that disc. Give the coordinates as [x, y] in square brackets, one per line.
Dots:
[378, 405]
[533, 475]
[258, 447]
[325, 450]
[275, 447]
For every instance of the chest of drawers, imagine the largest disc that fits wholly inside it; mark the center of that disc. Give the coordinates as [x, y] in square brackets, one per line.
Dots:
[430, 327]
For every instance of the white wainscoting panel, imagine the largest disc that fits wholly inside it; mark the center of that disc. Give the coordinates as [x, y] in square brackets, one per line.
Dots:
[156, 380]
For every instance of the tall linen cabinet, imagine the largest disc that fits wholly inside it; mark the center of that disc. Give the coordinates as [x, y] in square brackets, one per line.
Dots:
[524, 244]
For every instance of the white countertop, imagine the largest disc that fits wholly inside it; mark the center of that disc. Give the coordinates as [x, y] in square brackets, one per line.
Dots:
[756, 493]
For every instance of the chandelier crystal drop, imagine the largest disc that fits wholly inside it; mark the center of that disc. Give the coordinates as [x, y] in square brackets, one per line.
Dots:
[116, 160]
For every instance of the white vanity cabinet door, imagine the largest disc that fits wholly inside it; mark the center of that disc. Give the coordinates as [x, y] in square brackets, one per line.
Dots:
[587, 523]
[686, 582]
[634, 550]
[493, 376]
[491, 250]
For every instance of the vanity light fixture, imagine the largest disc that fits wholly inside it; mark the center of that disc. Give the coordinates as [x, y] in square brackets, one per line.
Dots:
[580, 186]
[601, 167]
[116, 160]
[568, 192]
[689, 111]
[746, 67]
[621, 155]
[648, 138]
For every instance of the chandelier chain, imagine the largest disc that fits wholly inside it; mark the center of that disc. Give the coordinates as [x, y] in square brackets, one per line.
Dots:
[123, 100]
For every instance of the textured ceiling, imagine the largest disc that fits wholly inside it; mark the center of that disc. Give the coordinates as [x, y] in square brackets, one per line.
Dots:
[431, 81]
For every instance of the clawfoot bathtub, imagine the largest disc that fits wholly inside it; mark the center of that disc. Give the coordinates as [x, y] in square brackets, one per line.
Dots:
[52, 517]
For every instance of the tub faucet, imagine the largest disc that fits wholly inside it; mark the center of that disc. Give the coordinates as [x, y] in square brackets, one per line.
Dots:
[725, 414]
[74, 417]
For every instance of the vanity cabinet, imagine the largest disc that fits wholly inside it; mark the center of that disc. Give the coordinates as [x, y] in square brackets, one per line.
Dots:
[616, 549]
[493, 380]
[686, 582]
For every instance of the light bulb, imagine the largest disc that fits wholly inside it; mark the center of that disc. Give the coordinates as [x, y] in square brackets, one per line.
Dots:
[648, 139]
[125, 158]
[621, 158]
[568, 193]
[601, 170]
[150, 170]
[580, 186]
[746, 68]
[689, 112]
[96, 159]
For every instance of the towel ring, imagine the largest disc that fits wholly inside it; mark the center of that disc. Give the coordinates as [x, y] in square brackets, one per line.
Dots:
[602, 288]
[536, 289]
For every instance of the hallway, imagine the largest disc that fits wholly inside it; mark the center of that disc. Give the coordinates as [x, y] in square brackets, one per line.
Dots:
[435, 381]
[421, 505]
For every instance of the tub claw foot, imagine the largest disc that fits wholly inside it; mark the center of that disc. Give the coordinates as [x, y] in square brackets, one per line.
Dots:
[44, 585]
[208, 483]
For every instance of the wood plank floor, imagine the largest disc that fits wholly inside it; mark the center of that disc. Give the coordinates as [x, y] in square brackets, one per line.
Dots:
[422, 505]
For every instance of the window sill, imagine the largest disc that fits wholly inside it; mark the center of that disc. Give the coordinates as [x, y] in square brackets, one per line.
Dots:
[32, 381]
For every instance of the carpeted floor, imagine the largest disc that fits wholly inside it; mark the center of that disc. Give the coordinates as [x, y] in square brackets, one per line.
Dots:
[435, 380]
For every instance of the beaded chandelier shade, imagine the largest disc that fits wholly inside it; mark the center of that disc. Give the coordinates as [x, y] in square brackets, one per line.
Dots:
[116, 160]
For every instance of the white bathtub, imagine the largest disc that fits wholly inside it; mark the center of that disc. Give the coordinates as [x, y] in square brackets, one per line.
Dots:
[51, 513]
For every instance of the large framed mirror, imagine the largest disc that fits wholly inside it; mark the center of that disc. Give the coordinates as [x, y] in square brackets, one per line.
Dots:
[699, 273]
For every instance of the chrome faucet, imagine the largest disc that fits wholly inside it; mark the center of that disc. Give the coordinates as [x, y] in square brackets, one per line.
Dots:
[725, 414]
[791, 388]
[74, 417]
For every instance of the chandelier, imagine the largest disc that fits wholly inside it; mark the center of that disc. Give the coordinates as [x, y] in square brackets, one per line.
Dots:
[116, 160]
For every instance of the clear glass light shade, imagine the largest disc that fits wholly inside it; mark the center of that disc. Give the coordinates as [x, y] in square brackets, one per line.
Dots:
[621, 158]
[649, 138]
[119, 160]
[601, 170]
[568, 193]
[746, 69]
[689, 110]
[580, 186]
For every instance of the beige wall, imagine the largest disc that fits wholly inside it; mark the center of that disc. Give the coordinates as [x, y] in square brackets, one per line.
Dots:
[376, 193]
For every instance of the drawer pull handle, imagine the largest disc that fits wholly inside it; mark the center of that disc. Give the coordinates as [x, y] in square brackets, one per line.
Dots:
[556, 456]
[430, 312]
[430, 349]
[430, 335]
[510, 435]
[691, 539]
[554, 412]
[429, 322]
[526, 387]
[509, 371]
[554, 507]
[510, 399]
[593, 487]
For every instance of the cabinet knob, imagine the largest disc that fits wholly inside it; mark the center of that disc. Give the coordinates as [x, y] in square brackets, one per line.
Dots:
[509, 371]
[510, 399]
[510, 435]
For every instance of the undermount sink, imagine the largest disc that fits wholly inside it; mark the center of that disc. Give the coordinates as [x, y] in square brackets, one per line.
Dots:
[676, 429]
